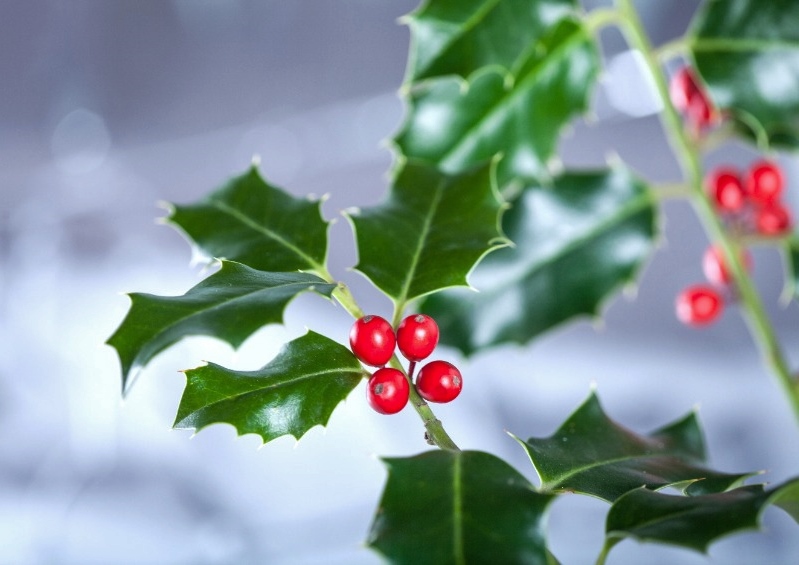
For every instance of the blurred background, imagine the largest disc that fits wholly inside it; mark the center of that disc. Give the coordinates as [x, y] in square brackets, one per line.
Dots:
[107, 108]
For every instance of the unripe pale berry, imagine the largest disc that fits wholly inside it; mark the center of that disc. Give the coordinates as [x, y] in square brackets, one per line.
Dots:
[388, 390]
[699, 305]
[372, 340]
[726, 190]
[764, 182]
[439, 381]
[417, 337]
[715, 266]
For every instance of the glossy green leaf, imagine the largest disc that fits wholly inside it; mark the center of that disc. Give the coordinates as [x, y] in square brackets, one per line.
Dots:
[576, 242]
[294, 392]
[231, 305]
[457, 124]
[430, 231]
[695, 521]
[458, 507]
[460, 36]
[252, 222]
[747, 51]
[592, 454]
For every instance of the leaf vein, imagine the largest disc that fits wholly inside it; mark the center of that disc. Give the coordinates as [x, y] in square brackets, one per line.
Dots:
[255, 226]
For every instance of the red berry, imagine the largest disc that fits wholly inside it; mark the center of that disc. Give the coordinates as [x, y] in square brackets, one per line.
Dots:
[388, 391]
[683, 89]
[417, 336]
[715, 266]
[699, 305]
[764, 182]
[690, 99]
[726, 190]
[372, 340]
[439, 381]
[773, 219]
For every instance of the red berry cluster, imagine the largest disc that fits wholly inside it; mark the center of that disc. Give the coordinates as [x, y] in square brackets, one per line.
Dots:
[751, 203]
[748, 204]
[372, 340]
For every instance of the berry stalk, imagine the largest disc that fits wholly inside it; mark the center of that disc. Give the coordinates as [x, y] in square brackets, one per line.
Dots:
[435, 434]
[687, 152]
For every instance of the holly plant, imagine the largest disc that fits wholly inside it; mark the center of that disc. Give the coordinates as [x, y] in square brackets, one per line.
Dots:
[477, 199]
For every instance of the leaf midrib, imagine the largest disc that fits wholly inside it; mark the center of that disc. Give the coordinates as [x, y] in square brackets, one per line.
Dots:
[424, 232]
[733, 45]
[517, 90]
[457, 510]
[625, 212]
[252, 224]
[220, 305]
[550, 485]
[467, 26]
[266, 388]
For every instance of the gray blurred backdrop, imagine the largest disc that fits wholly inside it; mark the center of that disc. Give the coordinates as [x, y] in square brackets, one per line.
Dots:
[108, 107]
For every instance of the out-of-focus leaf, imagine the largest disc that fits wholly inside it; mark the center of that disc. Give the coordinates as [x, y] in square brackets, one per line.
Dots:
[294, 392]
[592, 454]
[459, 507]
[747, 51]
[792, 252]
[456, 124]
[429, 232]
[252, 222]
[230, 305]
[459, 37]
[695, 521]
[576, 242]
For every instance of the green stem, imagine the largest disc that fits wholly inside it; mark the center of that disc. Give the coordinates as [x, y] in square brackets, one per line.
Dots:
[434, 429]
[668, 191]
[688, 155]
[601, 17]
[435, 434]
[606, 547]
[670, 50]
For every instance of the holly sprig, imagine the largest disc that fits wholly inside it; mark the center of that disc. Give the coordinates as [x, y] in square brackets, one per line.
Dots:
[478, 200]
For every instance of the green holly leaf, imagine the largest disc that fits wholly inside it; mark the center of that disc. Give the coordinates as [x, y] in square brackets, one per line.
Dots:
[695, 521]
[252, 222]
[231, 305]
[518, 113]
[430, 231]
[459, 507]
[576, 242]
[296, 391]
[747, 51]
[592, 454]
[792, 252]
[460, 37]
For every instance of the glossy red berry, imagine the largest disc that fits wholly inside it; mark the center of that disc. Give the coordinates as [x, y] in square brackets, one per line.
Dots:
[417, 337]
[726, 190]
[439, 381]
[772, 219]
[715, 266]
[764, 182]
[388, 391]
[699, 305]
[372, 340]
